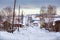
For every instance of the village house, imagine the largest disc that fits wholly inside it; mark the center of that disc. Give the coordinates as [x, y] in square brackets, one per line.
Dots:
[47, 18]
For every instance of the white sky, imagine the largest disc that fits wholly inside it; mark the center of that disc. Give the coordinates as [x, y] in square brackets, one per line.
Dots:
[58, 11]
[33, 11]
[28, 11]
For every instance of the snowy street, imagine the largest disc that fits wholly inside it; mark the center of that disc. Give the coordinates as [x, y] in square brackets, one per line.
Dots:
[31, 33]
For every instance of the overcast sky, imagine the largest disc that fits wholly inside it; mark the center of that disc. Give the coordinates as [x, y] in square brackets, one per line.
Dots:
[30, 3]
[29, 6]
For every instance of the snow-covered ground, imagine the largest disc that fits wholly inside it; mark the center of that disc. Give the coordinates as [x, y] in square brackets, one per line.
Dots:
[31, 33]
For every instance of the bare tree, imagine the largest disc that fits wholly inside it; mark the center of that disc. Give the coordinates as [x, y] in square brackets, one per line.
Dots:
[8, 13]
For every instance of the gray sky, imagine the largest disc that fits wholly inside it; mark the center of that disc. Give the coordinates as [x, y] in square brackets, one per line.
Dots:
[30, 3]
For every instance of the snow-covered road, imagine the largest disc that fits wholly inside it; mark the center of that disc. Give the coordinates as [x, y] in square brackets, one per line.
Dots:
[30, 33]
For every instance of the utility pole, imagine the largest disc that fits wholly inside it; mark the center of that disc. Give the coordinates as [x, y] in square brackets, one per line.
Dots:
[22, 17]
[19, 16]
[19, 9]
[13, 15]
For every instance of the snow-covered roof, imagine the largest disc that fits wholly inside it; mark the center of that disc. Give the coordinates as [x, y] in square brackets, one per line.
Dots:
[55, 19]
[36, 22]
[36, 19]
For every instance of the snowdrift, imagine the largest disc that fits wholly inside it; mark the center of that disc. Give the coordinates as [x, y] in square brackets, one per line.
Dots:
[31, 33]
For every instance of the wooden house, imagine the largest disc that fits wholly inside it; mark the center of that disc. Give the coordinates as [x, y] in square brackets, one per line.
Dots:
[6, 25]
[47, 19]
[57, 25]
